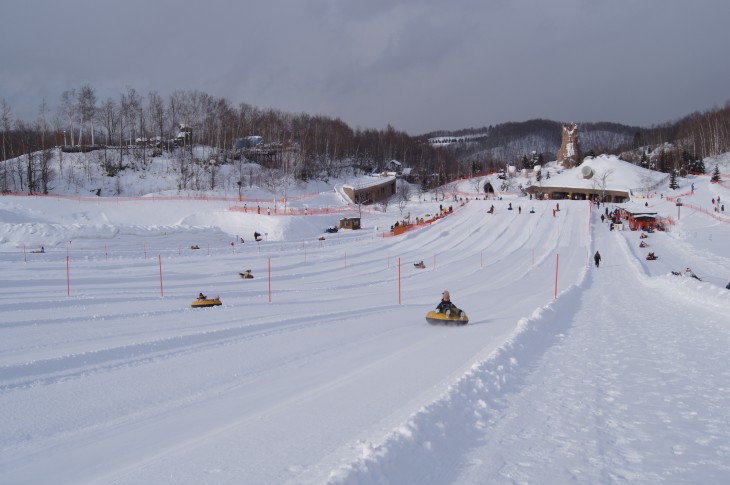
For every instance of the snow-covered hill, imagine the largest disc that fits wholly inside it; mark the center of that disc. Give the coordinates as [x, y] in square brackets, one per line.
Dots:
[322, 368]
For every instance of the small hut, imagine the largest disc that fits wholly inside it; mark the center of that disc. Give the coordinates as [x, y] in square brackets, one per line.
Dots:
[350, 223]
[645, 221]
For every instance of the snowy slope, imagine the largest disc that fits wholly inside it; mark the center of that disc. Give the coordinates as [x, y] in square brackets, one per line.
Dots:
[327, 371]
[595, 390]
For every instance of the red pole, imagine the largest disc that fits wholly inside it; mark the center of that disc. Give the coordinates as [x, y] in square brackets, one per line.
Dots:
[269, 279]
[160, 260]
[68, 279]
[399, 287]
[557, 264]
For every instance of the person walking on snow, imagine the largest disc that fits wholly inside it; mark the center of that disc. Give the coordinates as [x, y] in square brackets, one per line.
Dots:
[597, 258]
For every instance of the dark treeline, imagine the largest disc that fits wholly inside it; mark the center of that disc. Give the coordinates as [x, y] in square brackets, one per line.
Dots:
[314, 146]
[677, 145]
[699, 135]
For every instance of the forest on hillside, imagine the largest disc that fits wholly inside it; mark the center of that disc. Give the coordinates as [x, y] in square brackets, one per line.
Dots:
[314, 146]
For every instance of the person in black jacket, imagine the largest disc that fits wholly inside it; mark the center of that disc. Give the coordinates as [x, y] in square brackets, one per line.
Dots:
[446, 306]
[597, 258]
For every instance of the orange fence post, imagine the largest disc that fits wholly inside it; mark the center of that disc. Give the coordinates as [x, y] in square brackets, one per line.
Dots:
[557, 264]
[159, 258]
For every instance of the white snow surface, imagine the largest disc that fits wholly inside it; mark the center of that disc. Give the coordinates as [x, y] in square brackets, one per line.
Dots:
[323, 370]
[618, 174]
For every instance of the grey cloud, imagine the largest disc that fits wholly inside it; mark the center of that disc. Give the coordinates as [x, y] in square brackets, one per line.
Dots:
[417, 65]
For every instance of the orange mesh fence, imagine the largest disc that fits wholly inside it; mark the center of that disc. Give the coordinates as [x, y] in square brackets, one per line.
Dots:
[714, 213]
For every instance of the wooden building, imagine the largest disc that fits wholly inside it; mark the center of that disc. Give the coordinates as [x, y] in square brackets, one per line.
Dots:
[371, 191]
[350, 223]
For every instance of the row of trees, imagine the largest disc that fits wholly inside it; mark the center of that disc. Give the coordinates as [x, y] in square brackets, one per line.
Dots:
[318, 146]
[312, 146]
[701, 133]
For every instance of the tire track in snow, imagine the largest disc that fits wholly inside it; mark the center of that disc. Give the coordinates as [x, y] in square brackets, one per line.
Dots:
[49, 371]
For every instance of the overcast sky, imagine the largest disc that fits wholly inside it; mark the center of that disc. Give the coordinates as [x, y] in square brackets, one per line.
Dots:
[418, 65]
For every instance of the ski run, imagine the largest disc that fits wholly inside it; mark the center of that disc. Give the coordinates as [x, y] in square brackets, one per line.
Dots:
[322, 368]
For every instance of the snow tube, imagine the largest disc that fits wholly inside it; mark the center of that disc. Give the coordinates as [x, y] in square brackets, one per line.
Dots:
[206, 303]
[435, 318]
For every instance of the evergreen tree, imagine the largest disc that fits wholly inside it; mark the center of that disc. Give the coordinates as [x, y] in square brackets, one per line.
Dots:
[715, 175]
[644, 160]
[696, 166]
[424, 184]
[663, 165]
[693, 163]
[673, 184]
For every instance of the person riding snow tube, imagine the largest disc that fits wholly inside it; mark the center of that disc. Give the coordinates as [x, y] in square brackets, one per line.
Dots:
[446, 313]
[446, 306]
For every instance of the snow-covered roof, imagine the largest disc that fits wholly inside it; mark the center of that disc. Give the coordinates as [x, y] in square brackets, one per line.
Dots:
[369, 181]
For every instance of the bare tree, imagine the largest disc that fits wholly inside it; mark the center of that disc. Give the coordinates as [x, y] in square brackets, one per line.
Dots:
[45, 154]
[67, 110]
[384, 203]
[603, 181]
[5, 120]
[476, 183]
[108, 117]
[130, 105]
[185, 172]
[274, 179]
[452, 188]
[156, 115]
[86, 110]
[403, 195]
[213, 165]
